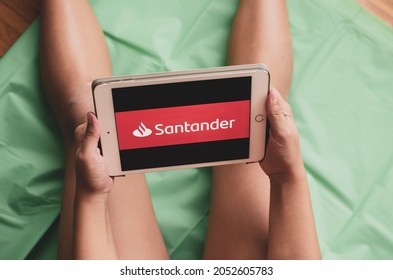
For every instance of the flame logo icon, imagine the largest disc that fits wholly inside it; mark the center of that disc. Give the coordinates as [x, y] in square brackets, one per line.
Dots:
[142, 131]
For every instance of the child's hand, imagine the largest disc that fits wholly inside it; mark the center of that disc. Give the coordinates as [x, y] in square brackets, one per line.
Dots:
[91, 171]
[283, 156]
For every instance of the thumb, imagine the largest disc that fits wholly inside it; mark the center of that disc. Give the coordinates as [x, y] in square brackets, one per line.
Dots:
[276, 110]
[92, 134]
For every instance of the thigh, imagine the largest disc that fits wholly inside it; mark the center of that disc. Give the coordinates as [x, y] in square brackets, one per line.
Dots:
[133, 221]
[238, 217]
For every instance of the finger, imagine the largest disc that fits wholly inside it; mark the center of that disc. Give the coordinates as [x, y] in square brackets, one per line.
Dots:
[92, 134]
[79, 134]
[276, 109]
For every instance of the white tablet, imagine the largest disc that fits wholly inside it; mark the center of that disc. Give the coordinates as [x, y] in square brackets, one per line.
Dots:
[182, 119]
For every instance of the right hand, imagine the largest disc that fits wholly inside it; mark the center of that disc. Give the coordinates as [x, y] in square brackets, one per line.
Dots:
[283, 156]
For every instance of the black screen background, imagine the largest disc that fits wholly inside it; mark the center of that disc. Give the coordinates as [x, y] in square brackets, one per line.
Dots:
[183, 94]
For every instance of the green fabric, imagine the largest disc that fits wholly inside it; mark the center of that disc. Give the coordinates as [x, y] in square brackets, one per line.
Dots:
[341, 97]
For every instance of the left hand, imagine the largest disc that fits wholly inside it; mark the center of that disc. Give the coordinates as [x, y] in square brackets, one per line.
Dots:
[91, 170]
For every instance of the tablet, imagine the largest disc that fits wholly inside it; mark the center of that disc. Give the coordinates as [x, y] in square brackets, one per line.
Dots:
[182, 119]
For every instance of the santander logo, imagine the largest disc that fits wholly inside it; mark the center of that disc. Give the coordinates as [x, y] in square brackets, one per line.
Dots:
[142, 131]
[183, 125]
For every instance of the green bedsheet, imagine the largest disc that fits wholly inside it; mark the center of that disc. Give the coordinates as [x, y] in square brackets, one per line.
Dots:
[342, 95]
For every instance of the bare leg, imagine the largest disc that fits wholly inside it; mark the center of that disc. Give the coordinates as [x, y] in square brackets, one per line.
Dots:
[73, 53]
[238, 220]
[260, 34]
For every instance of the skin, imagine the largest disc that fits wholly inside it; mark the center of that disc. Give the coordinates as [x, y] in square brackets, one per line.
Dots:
[243, 200]
[292, 232]
[239, 213]
[73, 53]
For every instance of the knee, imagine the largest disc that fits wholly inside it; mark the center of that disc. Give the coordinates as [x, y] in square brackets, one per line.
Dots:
[70, 115]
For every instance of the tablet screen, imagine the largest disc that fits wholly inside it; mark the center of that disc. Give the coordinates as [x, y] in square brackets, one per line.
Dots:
[183, 123]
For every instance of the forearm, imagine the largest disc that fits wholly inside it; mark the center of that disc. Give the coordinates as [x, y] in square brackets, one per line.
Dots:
[292, 233]
[92, 231]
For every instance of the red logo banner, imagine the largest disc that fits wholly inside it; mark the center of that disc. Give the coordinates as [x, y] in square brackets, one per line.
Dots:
[183, 124]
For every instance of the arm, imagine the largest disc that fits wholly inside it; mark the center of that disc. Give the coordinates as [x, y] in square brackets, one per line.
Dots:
[92, 231]
[292, 233]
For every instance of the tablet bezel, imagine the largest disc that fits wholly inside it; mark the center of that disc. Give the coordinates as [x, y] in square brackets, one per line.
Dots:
[103, 101]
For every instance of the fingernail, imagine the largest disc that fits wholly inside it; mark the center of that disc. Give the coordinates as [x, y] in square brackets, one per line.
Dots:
[273, 95]
[90, 117]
